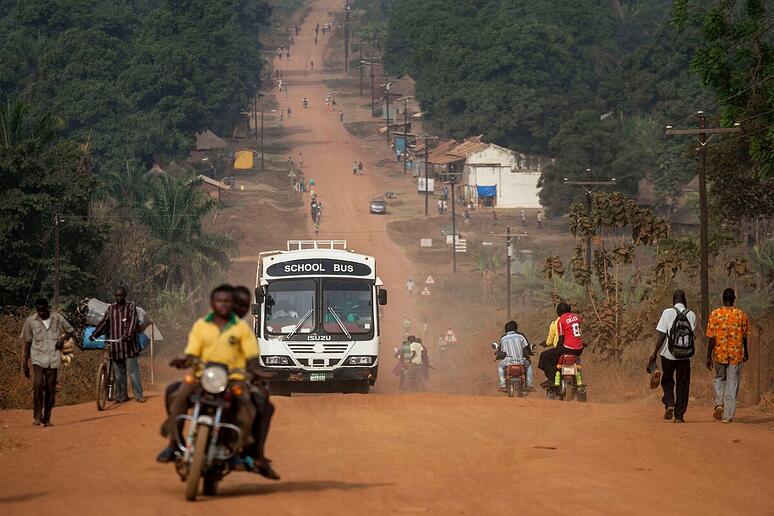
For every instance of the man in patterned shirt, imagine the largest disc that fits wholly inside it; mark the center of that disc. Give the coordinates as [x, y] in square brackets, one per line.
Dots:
[727, 331]
[120, 322]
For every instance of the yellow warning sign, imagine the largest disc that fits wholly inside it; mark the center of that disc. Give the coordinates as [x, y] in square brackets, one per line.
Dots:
[243, 160]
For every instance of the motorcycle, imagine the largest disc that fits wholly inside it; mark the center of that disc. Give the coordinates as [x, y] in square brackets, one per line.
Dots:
[209, 441]
[515, 378]
[568, 381]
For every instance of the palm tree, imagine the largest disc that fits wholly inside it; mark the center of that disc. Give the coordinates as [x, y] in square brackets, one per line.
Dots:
[173, 212]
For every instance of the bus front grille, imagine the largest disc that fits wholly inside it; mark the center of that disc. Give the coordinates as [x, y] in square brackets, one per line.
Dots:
[308, 348]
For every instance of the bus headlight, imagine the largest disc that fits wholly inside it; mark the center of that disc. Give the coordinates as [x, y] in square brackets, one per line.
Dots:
[214, 379]
[276, 360]
[367, 360]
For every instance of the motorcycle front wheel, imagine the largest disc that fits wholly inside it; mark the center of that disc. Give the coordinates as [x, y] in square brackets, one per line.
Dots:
[195, 473]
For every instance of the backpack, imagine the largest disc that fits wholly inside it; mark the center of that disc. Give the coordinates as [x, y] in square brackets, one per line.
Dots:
[680, 338]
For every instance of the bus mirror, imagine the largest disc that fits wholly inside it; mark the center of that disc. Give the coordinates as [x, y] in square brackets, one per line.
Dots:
[259, 295]
[382, 297]
[256, 309]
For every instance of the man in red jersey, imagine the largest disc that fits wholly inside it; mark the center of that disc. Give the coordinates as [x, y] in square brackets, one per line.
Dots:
[570, 342]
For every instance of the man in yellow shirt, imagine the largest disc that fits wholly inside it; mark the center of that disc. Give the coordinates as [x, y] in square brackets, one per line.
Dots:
[553, 334]
[222, 338]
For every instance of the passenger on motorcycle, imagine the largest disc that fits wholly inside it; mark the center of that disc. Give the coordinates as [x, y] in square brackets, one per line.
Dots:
[515, 349]
[570, 342]
[222, 338]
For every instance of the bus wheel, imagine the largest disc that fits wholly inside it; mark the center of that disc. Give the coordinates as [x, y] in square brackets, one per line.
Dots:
[357, 387]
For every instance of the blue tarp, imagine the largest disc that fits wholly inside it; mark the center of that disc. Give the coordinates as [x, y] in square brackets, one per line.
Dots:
[487, 191]
[143, 339]
[400, 144]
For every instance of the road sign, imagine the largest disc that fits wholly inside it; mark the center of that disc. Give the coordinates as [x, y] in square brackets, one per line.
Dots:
[425, 242]
[429, 280]
[425, 291]
[461, 246]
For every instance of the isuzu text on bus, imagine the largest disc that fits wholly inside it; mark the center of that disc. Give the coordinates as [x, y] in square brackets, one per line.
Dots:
[317, 317]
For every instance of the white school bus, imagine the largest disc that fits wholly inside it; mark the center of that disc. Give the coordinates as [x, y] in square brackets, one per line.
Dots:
[317, 317]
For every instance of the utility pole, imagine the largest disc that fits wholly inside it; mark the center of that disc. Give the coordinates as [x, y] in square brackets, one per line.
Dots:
[405, 133]
[346, 36]
[262, 158]
[373, 104]
[508, 255]
[590, 187]
[427, 181]
[361, 68]
[387, 90]
[702, 133]
[371, 63]
[255, 115]
[454, 229]
[57, 220]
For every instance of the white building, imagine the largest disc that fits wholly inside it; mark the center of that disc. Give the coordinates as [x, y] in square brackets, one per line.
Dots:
[498, 177]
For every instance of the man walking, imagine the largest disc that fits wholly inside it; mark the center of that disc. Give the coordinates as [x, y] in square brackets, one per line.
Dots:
[727, 330]
[42, 335]
[120, 322]
[675, 336]
[410, 287]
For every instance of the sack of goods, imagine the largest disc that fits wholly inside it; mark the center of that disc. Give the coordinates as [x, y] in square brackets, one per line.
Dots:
[95, 310]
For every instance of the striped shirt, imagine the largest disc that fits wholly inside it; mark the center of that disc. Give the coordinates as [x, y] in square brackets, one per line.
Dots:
[120, 321]
[513, 344]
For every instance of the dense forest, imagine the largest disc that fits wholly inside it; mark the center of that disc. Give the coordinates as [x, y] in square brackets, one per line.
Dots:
[92, 93]
[592, 83]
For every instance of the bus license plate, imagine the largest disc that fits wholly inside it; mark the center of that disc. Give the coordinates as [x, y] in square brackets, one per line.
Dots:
[316, 377]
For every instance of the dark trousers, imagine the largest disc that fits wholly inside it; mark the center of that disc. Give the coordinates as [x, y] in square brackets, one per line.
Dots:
[676, 382]
[261, 423]
[43, 392]
[549, 358]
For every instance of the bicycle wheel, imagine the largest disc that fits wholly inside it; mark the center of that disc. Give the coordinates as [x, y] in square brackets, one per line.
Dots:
[111, 383]
[102, 387]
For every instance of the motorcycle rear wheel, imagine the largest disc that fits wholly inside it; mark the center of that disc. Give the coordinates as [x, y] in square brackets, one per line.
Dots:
[511, 389]
[210, 487]
[195, 473]
[562, 394]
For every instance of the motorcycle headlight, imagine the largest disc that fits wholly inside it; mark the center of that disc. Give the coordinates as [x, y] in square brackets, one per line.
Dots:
[214, 379]
[367, 360]
[276, 360]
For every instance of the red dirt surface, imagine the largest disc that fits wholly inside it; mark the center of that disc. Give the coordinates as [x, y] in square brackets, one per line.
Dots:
[385, 453]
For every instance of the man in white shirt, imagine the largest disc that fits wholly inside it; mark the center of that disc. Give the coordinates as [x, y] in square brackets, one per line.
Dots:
[410, 286]
[676, 373]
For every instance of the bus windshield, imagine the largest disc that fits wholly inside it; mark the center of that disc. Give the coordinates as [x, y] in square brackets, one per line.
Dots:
[293, 300]
[347, 303]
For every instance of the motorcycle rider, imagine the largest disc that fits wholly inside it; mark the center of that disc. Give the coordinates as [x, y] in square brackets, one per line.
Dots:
[218, 337]
[254, 454]
[515, 349]
[570, 342]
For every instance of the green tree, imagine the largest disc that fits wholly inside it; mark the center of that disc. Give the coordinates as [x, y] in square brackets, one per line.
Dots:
[41, 177]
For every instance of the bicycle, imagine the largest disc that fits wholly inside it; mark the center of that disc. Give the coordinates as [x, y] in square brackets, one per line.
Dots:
[106, 378]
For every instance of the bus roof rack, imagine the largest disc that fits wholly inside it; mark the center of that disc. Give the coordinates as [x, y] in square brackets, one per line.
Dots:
[299, 245]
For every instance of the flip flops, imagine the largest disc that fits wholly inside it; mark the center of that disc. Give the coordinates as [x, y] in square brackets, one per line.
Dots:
[655, 379]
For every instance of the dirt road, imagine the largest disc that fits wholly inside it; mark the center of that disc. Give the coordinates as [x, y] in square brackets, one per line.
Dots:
[393, 454]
